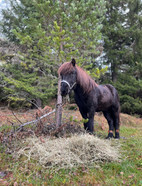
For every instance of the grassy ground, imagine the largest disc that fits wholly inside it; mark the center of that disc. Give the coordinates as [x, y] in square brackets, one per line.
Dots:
[126, 172]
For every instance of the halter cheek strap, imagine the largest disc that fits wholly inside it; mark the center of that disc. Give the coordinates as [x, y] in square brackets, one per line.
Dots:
[70, 87]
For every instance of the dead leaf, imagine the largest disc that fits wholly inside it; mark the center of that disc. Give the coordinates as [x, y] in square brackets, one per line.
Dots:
[124, 182]
[121, 173]
[131, 176]
[42, 140]
[15, 183]
[4, 183]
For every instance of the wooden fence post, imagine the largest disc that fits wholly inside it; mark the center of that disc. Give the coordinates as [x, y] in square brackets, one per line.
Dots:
[59, 105]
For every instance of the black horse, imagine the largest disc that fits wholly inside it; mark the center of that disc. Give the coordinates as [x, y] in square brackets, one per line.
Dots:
[91, 97]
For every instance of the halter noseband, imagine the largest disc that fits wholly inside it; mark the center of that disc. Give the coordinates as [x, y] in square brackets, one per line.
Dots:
[70, 87]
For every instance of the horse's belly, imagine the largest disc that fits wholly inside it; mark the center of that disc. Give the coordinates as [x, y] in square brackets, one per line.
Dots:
[104, 105]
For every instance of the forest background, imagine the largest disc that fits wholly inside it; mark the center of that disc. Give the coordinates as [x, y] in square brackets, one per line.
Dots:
[105, 38]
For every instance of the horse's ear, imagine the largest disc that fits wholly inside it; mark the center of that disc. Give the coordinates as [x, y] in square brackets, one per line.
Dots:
[73, 61]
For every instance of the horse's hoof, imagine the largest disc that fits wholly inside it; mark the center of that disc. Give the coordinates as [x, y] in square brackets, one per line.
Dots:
[91, 133]
[117, 135]
[110, 136]
[116, 138]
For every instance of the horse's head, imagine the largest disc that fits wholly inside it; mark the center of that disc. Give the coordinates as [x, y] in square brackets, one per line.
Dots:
[68, 74]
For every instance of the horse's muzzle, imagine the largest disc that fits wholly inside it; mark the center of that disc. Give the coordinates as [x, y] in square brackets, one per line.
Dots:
[64, 91]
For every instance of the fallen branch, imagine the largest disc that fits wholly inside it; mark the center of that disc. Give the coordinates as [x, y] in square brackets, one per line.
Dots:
[35, 121]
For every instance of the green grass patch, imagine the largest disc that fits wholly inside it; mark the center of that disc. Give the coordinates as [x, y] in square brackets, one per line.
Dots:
[128, 131]
[5, 128]
[126, 172]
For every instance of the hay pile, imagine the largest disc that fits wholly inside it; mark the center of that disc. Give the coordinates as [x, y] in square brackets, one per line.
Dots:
[70, 152]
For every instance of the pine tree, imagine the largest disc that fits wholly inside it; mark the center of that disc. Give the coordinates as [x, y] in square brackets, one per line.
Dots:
[135, 22]
[116, 36]
[122, 51]
[50, 33]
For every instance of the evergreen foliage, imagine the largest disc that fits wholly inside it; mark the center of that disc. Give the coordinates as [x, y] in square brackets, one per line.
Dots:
[130, 91]
[123, 51]
[50, 33]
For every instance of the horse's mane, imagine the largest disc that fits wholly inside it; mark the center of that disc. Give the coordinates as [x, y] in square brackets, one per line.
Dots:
[83, 79]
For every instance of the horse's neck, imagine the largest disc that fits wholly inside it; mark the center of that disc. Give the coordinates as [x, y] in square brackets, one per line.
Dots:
[79, 92]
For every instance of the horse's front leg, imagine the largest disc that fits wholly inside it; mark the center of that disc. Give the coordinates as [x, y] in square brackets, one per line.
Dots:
[89, 126]
[84, 115]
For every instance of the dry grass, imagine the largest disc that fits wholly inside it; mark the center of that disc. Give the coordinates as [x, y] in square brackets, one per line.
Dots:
[70, 152]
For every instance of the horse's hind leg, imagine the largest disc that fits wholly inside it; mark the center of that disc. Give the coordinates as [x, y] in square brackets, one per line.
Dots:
[116, 124]
[109, 119]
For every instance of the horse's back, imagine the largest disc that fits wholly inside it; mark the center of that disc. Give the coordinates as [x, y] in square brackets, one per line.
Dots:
[108, 97]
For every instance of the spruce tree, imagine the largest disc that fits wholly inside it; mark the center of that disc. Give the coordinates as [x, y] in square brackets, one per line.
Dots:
[50, 33]
[122, 51]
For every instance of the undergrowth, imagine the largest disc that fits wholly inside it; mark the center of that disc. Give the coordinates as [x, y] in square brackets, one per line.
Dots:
[127, 172]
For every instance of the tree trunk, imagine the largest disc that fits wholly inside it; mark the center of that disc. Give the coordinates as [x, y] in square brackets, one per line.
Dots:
[59, 106]
[114, 72]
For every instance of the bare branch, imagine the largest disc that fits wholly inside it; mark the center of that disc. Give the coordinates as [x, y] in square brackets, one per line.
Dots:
[35, 121]
[16, 117]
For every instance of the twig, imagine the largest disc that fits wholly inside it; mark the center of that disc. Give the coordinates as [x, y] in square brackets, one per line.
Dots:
[16, 117]
[36, 106]
[58, 129]
[35, 121]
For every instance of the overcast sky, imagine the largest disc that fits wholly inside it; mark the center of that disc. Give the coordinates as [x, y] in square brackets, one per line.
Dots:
[3, 5]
